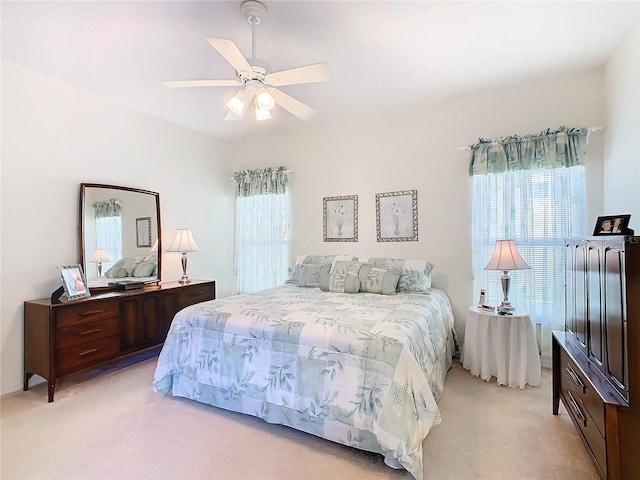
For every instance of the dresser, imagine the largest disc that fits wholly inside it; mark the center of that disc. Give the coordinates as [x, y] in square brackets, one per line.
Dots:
[596, 359]
[67, 337]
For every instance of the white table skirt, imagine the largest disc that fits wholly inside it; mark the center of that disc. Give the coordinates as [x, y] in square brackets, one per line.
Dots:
[503, 346]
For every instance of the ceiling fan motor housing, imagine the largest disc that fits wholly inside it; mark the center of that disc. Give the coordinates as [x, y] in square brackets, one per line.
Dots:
[253, 10]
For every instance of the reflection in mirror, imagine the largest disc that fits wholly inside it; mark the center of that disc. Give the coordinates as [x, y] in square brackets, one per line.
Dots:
[119, 234]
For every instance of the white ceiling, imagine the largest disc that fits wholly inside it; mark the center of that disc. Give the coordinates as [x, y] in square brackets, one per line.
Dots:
[382, 54]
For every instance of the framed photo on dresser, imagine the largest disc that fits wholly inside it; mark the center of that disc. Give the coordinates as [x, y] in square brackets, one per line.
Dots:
[74, 281]
[613, 225]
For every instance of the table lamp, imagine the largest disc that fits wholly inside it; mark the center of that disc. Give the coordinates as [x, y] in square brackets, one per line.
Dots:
[506, 257]
[100, 257]
[184, 244]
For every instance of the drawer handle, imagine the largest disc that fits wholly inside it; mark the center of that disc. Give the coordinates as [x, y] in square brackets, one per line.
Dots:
[88, 352]
[90, 312]
[572, 373]
[576, 408]
[89, 332]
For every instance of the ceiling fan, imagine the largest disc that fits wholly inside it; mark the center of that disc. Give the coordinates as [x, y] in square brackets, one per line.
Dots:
[255, 77]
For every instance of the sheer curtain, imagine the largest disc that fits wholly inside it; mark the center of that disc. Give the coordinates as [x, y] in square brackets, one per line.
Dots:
[263, 215]
[109, 230]
[532, 191]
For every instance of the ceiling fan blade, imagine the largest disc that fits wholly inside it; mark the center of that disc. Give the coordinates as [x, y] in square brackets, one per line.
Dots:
[200, 83]
[248, 100]
[318, 72]
[231, 53]
[296, 107]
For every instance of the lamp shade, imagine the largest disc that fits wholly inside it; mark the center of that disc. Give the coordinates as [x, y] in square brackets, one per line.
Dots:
[183, 242]
[100, 256]
[154, 247]
[506, 257]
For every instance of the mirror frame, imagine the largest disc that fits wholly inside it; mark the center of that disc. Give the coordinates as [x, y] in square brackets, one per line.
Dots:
[81, 226]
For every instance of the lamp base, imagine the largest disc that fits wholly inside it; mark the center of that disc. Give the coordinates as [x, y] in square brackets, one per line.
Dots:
[505, 309]
[184, 280]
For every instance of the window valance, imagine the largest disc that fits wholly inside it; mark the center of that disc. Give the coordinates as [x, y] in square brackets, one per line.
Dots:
[110, 208]
[261, 181]
[548, 149]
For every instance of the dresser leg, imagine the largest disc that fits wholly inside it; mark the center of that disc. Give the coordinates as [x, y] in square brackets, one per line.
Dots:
[52, 387]
[27, 377]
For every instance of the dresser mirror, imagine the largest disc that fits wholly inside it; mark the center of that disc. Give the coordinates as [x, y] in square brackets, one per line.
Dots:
[120, 235]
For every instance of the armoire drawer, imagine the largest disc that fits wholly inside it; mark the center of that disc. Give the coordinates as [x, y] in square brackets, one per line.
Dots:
[86, 331]
[574, 378]
[594, 440]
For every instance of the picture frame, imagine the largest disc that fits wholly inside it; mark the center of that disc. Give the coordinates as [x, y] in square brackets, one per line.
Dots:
[397, 216]
[74, 281]
[340, 218]
[612, 225]
[143, 232]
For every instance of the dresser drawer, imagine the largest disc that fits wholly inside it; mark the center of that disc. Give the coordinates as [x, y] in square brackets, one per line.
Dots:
[573, 378]
[86, 332]
[191, 294]
[87, 354]
[86, 313]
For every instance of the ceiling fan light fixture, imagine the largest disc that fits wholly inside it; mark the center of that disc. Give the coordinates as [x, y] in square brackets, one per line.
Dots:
[264, 100]
[261, 114]
[237, 103]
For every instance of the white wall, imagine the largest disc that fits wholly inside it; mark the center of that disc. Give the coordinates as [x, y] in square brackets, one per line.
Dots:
[55, 137]
[419, 149]
[622, 146]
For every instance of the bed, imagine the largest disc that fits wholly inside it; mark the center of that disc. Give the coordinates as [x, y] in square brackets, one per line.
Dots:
[361, 369]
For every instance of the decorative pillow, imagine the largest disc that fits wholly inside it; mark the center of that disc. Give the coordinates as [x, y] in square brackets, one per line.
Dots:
[152, 258]
[337, 277]
[144, 269]
[351, 283]
[131, 266]
[310, 276]
[378, 280]
[307, 260]
[128, 264]
[415, 275]
[324, 277]
[310, 260]
[116, 272]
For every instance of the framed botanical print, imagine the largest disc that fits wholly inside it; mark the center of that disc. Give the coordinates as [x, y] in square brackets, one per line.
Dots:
[143, 232]
[340, 219]
[397, 216]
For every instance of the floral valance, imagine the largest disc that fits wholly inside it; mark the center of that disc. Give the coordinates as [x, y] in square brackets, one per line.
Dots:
[110, 208]
[261, 181]
[548, 149]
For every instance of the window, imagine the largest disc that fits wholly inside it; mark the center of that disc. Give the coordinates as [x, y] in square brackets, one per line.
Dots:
[109, 237]
[538, 209]
[262, 241]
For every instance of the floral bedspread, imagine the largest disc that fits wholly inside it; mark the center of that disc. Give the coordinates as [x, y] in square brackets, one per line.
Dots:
[364, 370]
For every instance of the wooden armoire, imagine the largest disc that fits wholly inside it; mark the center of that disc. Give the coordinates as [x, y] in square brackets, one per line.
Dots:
[596, 359]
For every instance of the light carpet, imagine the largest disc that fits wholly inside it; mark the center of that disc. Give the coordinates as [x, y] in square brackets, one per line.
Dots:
[108, 424]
